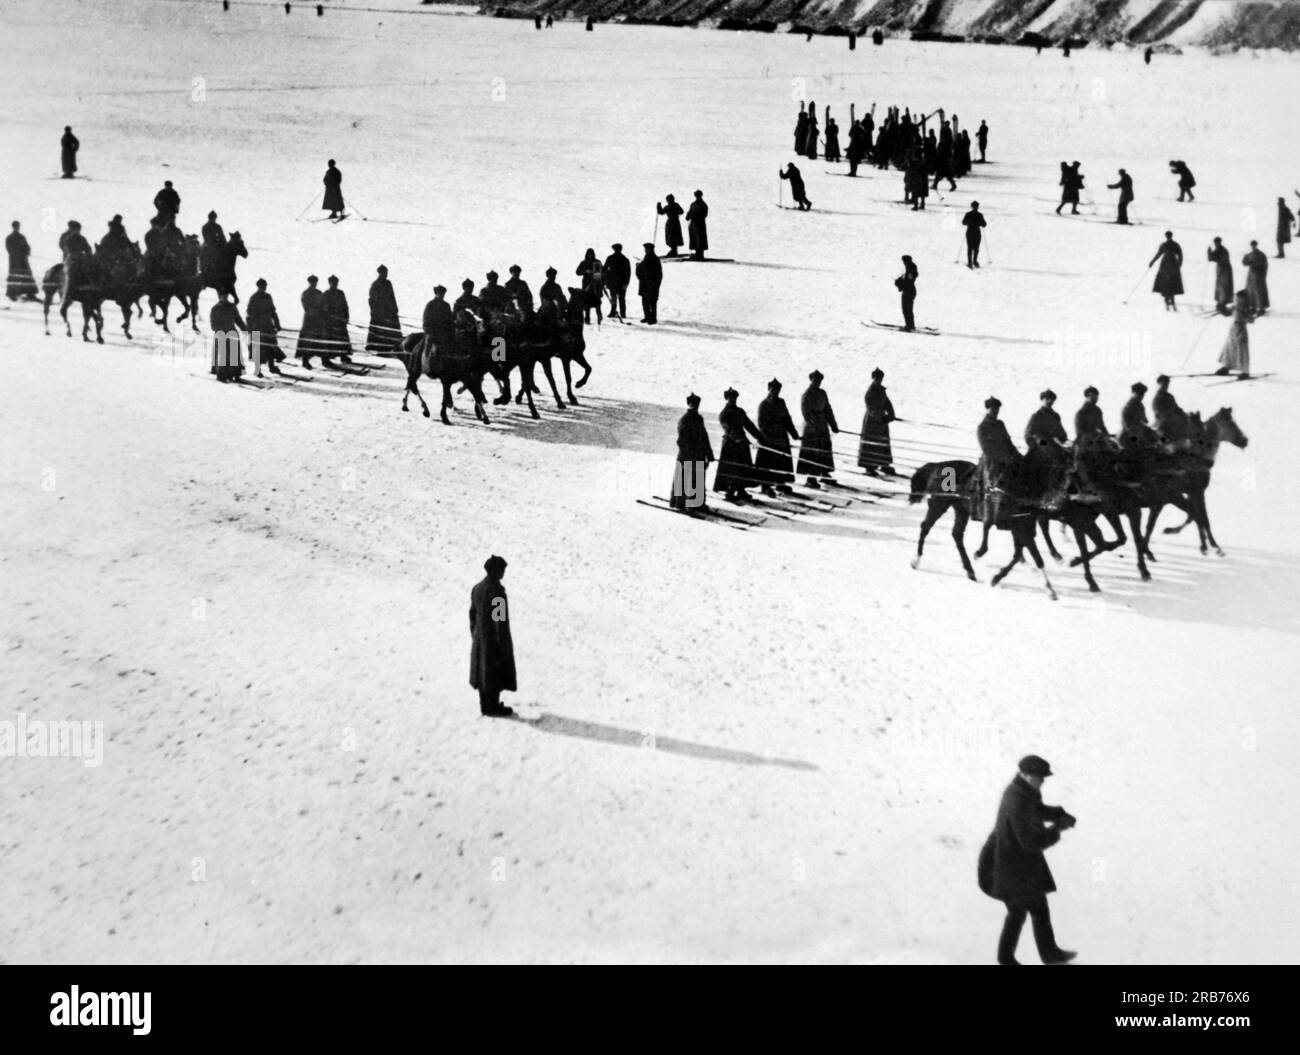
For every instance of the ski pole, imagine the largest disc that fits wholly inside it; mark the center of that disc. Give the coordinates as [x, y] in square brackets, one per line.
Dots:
[308, 206]
[1205, 282]
[655, 239]
[355, 209]
[780, 191]
[988, 250]
[1196, 342]
[1136, 284]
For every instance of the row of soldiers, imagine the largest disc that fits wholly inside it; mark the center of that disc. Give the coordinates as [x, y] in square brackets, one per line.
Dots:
[774, 468]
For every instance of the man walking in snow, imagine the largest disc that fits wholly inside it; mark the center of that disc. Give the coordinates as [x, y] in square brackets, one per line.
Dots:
[492, 650]
[974, 223]
[1013, 868]
[797, 192]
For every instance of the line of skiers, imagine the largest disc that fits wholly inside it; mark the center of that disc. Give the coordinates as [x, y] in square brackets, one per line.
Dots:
[774, 468]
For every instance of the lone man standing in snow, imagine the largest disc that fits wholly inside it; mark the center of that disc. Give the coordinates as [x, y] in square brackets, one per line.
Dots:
[974, 223]
[1125, 187]
[70, 146]
[492, 651]
[697, 225]
[1013, 868]
[333, 200]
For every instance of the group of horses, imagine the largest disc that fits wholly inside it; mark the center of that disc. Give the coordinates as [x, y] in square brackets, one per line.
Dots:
[174, 266]
[1078, 488]
[502, 341]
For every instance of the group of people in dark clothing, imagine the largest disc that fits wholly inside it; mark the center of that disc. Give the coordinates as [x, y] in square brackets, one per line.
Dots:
[775, 468]
[697, 225]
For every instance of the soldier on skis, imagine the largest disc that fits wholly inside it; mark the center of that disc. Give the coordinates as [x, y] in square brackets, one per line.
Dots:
[797, 192]
[694, 453]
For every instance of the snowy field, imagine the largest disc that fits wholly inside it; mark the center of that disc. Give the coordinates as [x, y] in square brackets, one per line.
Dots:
[783, 747]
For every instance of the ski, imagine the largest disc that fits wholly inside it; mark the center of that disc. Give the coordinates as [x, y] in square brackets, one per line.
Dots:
[1251, 377]
[713, 511]
[694, 514]
[692, 260]
[928, 330]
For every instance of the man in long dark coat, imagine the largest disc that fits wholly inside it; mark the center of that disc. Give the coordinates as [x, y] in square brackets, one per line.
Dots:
[313, 336]
[1000, 461]
[618, 276]
[694, 454]
[797, 191]
[672, 223]
[385, 331]
[493, 298]
[1013, 868]
[333, 200]
[1256, 263]
[1089, 422]
[334, 306]
[439, 324]
[492, 650]
[773, 461]
[697, 217]
[1218, 255]
[649, 276]
[69, 145]
[20, 283]
[1135, 430]
[263, 327]
[1285, 218]
[875, 452]
[1045, 423]
[816, 456]
[1169, 276]
[735, 464]
[225, 323]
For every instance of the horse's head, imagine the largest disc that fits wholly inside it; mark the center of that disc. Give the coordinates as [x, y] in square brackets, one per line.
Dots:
[236, 244]
[1227, 428]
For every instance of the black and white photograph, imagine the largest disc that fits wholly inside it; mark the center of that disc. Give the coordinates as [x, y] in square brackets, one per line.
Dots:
[615, 482]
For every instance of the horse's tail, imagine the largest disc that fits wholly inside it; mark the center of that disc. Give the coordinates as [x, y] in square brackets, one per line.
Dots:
[921, 482]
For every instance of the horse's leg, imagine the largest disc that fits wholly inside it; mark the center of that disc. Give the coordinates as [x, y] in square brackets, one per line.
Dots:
[568, 384]
[581, 360]
[194, 311]
[933, 511]
[47, 314]
[446, 401]
[1135, 525]
[984, 540]
[1016, 558]
[1082, 543]
[550, 378]
[1045, 526]
[961, 517]
[503, 383]
[1032, 546]
[63, 314]
[1175, 530]
[125, 305]
[99, 325]
[1203, 509]
[480, 400]
[526, 382]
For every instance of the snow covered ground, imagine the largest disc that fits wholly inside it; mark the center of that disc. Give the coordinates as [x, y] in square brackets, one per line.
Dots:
[782, 747]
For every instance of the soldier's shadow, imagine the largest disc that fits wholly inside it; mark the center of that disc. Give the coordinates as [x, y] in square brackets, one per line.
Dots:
[609, 734]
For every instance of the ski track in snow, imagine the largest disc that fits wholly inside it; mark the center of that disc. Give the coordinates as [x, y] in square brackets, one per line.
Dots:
[780, 744]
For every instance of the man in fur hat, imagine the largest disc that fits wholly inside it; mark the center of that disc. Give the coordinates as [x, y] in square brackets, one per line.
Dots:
[492, 651]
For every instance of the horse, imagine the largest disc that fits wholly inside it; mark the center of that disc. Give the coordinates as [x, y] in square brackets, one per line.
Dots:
[956, 485]
[463, 361]
[172, 270]
[217, 264]
[1194, 467]
[123, 275]
[77, 279]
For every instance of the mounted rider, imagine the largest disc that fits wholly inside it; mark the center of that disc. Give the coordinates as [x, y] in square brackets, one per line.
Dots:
[1170, 419]
[1135, 430]
[116, 241]
[1045, 423]
[553, 302]
[212, 231]
[168, 204]
[518, 289]
[72, 242]
[1090, 424]
[467, 301]
[494, 298]
[1000, 461]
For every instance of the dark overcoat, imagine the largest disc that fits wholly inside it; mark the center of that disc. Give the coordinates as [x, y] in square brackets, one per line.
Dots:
[1012, 866]
[697, 217]
[333, 190]
[672, 224]
[694, 453]
[874, 447]
[385, 329]
[816, 456]
[1169, 275]
[492, 651]
[774, 460]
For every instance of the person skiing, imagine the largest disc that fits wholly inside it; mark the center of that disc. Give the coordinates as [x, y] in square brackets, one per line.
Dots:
[334, 307]
[650, 276]
[492, 650]
[618, 276]
[1089, 423]
[735, 464]
[974, 223]
[385, 330]
[1045, 423]
[906, 286]
[1285, 218]
[333, 199]
[857, 149]
[263, 328]
[516, 287]
[1218, 255]
[593, 286]
[672, 224]
[1235, 356]
[773, 460]
[1012, 868]
[1256, 263]
[68, 147]
[1135, 430]
[20, 283]
[1169, 276]
[168, 204]
[1125, 187]
[1186, 181]
[875, 452]
[797, 192]
[312, 337]
[999, 459]
[212, 231]
[816, 456]
[697, 225]
[1071, 181]
[227, 355]
[982, 138]
[694, 454]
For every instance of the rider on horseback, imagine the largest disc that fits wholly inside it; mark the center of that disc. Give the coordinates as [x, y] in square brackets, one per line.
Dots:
[212, 232]
[1000, 461]
[1136, 431]
[1171, 419]
[116, 241]
[72, 242]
